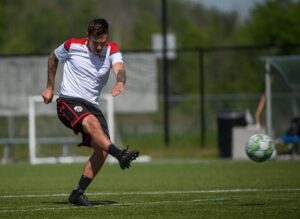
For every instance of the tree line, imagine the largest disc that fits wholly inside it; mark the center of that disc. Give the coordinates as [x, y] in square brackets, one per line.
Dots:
[39, 26]
[36, 26]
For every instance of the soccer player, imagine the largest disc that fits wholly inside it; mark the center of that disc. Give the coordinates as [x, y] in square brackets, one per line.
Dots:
[87, 64]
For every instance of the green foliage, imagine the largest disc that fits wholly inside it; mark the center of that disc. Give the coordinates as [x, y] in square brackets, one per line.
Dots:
[142, 32]
[38, 26]
[33, 26]
[275, 22]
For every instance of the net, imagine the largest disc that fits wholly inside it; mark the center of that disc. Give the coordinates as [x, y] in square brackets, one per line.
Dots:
[55, 147]
[284, 72]
[21, 77]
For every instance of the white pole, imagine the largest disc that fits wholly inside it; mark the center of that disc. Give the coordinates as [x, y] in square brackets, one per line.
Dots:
[268, 98]
[110, 116]
[32, 131]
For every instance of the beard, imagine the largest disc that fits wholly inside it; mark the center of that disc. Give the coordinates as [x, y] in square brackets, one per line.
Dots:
[97, 52]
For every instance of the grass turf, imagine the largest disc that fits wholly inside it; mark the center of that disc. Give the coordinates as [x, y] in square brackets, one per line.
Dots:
[160, 189]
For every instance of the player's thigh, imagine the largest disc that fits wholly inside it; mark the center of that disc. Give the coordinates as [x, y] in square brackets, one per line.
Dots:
[91, 124]
[102, 122]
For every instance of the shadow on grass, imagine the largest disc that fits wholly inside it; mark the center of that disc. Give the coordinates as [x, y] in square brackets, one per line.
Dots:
[95, 203]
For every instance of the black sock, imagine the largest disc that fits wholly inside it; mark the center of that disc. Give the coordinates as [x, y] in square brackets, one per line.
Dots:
[114, 151]
[84, 182]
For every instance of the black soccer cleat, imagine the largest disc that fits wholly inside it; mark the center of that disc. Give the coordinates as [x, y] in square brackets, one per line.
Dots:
[126, 157]
[78, 198]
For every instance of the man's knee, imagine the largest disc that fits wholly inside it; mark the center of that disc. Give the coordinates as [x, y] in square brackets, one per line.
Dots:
[90, 124]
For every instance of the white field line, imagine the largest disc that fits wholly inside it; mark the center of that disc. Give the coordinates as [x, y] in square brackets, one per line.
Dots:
[154, 192]
[195, 201]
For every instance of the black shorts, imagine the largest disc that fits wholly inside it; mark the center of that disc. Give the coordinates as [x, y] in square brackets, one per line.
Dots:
[71, 112]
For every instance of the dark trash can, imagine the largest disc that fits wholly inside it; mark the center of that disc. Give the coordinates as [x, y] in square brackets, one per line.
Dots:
[226, 121]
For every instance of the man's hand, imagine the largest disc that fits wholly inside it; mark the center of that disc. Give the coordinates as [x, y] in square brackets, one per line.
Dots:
[117, 89]
[48, 95]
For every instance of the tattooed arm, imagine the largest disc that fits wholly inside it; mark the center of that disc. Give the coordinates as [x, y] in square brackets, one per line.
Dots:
[119, 70]
[52, 67]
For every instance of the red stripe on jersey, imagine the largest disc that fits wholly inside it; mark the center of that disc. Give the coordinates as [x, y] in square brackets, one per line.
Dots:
[68, 43]
[113, 47]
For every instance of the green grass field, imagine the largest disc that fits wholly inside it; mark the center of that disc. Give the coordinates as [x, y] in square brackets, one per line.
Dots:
[159, 189]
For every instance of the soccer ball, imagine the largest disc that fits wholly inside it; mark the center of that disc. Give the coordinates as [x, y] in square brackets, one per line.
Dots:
[259, 147]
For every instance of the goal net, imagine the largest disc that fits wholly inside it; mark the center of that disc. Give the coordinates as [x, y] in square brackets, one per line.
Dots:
[282, 92]
[48, 145]
[22, 80]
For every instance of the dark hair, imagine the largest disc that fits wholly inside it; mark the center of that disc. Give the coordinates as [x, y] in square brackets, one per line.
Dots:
[97, 26]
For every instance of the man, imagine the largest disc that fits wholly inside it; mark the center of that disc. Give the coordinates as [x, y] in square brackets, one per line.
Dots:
[87, 63]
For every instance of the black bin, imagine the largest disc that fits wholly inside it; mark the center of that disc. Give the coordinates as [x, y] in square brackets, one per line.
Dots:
[226, 121]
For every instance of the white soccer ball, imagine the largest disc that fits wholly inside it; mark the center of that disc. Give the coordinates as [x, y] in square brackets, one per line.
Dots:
[259, 147]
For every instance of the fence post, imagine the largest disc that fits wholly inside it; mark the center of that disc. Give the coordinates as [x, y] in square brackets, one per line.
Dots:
[165, 73]
[202, 97]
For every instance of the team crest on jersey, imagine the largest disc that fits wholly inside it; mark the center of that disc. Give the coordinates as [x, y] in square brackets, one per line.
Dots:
[78, 109]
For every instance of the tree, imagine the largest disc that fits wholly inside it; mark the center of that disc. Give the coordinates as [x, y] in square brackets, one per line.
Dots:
[275, 22]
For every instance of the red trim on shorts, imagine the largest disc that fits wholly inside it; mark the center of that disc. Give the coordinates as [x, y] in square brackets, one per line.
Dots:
[64, 115]
[72, 111]
[78, 118]
[59, 104]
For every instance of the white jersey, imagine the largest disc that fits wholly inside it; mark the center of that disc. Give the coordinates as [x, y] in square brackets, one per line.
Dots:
[85, 74]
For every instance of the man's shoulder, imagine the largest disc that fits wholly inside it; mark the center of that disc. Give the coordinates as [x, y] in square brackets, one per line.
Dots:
[69, 42]
[113, 47]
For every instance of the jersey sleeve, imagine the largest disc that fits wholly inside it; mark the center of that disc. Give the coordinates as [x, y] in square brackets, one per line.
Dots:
[115, 55]
[62, 52]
